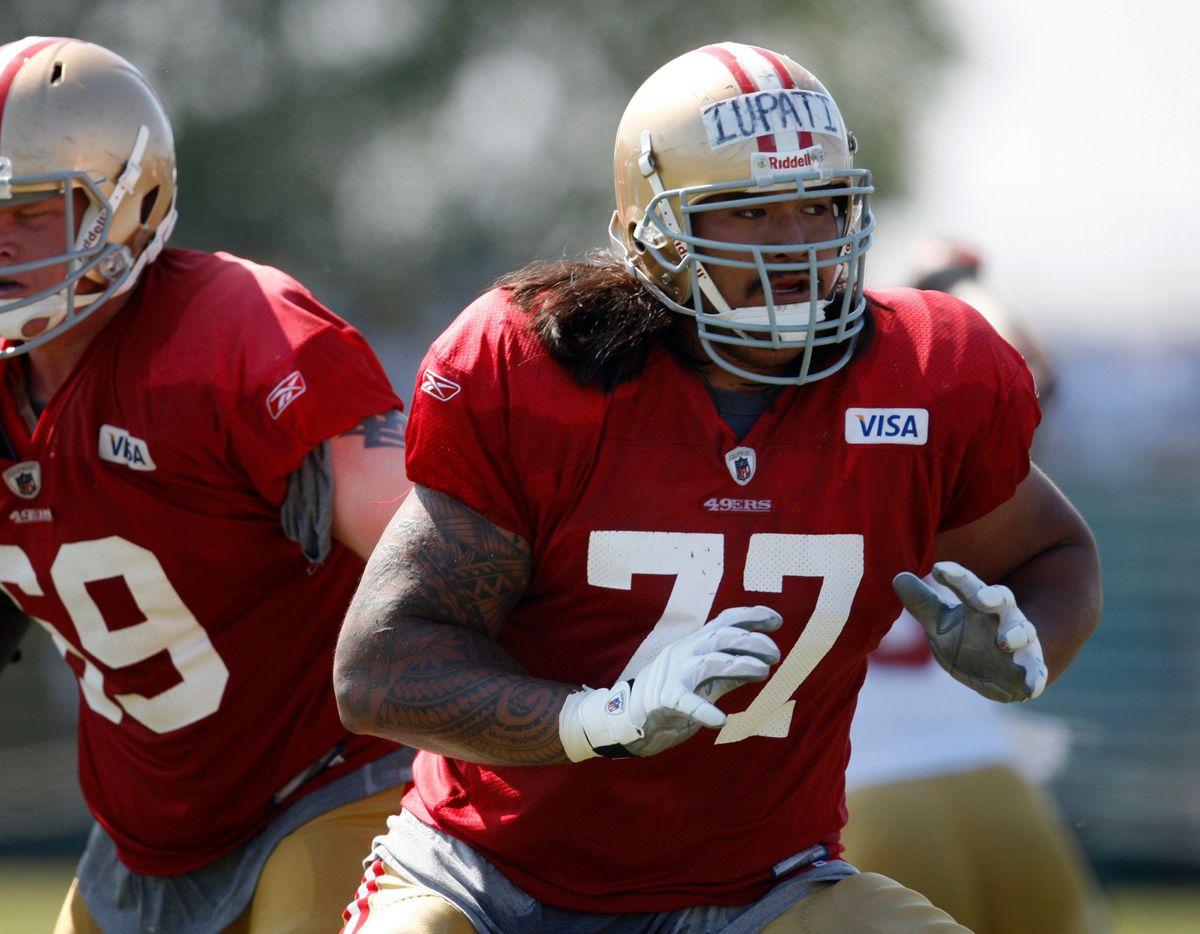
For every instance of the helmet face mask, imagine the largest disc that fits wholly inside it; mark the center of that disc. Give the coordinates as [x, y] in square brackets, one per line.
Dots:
[44, 314]
[738, 125]
[76, 119]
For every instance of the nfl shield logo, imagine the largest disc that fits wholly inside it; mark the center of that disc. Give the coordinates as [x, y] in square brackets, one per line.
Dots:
[24, 479]
[616, 703]
[741, 463]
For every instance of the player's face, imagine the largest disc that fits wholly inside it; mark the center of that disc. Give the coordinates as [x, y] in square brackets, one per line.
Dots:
[810, 220]
[783, 222]
[30, 231]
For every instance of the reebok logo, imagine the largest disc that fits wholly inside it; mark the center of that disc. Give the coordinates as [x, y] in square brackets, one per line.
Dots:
[439, 387]
[287, 391]
[887, 426]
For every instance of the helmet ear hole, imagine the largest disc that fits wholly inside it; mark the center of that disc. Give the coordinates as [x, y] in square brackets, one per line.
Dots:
[148, 202]
[638, 244]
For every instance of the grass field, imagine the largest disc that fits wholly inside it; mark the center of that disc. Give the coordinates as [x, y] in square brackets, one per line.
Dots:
[31, 892]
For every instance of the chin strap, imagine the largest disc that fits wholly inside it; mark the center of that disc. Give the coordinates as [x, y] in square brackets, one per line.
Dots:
[667, 216]
[99, 216]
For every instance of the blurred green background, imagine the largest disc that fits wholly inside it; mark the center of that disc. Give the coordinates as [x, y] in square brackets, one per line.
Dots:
[397, 155]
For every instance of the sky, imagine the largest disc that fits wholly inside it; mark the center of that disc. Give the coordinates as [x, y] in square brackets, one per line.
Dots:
[1065, 144]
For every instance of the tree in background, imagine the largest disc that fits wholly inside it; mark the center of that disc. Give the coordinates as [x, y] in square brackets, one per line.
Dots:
[399, 154]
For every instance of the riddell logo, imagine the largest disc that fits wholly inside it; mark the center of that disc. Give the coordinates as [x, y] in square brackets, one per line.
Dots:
[93, 235]
[767, 167]
[800, 160]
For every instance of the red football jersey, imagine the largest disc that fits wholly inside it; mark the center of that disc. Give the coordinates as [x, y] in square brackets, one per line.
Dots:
[647, 517]
[141, 526]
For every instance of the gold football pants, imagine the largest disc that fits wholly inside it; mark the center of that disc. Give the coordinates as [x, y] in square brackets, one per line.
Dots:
[985, 845]
[306, 880]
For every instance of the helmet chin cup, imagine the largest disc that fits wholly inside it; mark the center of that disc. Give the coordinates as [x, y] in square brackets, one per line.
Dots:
[61, 305]
[789, 323]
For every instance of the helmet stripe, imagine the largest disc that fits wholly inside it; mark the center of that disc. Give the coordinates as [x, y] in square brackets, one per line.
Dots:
[12, 59]
[756, 70]
[726, 57]
[804, 139]
[785, 77]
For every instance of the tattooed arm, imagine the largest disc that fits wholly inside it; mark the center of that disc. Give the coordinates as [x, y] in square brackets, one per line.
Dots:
[417, 661]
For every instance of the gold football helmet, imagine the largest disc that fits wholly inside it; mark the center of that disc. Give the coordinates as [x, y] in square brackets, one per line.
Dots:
[75, 117]
[737, 120]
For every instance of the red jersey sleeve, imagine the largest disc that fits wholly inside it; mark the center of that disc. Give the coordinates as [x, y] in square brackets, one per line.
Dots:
[484, 427]
[993, 459]
[298, 375]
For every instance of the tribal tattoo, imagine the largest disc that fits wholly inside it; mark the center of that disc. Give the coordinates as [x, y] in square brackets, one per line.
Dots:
[383, 430]
[425, 665]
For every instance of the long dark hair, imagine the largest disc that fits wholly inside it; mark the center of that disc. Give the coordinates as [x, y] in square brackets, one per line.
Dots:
[597, 319]
[592, 315]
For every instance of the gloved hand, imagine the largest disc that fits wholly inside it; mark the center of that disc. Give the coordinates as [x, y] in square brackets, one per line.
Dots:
[985, 641]
[671, 697]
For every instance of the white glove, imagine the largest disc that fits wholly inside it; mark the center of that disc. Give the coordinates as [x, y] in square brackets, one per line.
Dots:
[985, 642]
[671, 697]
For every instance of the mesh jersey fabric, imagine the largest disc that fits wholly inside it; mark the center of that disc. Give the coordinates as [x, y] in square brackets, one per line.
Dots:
[640, 530]
[152, 550]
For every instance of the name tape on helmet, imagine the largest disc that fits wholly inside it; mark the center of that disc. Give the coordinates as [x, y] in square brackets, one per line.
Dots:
[763, 113]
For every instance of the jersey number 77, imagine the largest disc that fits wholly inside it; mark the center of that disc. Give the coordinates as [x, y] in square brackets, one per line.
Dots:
[697, 561]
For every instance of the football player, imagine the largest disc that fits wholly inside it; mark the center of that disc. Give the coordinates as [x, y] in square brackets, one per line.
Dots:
[667, 502]
[196, 459]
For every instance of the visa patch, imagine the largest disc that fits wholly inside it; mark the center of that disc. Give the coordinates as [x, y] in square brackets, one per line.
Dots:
[887, 426]
[118, 446]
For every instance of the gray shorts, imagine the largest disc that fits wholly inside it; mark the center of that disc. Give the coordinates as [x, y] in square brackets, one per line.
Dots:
[494, 905]
[212, 897]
